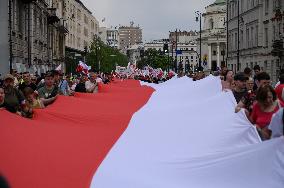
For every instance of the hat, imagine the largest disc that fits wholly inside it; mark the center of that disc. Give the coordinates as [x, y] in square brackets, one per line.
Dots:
[240, 77]
[8, 76]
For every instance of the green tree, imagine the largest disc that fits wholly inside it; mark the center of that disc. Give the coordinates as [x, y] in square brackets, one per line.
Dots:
[156, 59]
[104, 58]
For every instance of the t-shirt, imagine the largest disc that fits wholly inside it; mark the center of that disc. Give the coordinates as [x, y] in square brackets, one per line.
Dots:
[2, 105]
[23, 85]
[239, 95]
[13, 99]
[48, 93]
[260, 118]
[279, 92]
[91, 87]
[276, 125]
[63, 87]
[81, 88]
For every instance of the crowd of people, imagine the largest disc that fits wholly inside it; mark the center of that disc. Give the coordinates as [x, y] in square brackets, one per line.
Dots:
[261, 102]
[252, 89]
[21, 93]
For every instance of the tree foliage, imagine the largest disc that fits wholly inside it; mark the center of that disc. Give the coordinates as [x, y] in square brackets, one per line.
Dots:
[104, 58]
[155, 59]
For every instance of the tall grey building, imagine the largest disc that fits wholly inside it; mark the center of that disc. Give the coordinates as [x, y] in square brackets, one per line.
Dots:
[128, 36]
[255, 35]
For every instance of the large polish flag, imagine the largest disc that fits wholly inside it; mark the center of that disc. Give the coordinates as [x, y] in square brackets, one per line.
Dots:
[135, 135]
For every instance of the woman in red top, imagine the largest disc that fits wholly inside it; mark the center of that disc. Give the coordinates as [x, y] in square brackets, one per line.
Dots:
[280, 89]
[266, 105]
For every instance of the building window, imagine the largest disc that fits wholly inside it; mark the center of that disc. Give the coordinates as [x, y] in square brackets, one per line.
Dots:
[247, 37]
[86, 19]
[256, 36]
[265, 65]
[214, 52]
[266, 6]
[86, 32]
[79, 14]
[266, 36]
[252, 37]
[211, 24]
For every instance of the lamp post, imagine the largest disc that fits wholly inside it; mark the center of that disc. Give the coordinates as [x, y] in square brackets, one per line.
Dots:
[198, 18]
[238, 54]
[113, 55]
[176, 48]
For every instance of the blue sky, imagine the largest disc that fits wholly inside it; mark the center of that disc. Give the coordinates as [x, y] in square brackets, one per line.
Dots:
[156, 17]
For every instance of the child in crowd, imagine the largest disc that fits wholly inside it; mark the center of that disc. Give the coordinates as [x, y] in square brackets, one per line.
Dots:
[31, 100]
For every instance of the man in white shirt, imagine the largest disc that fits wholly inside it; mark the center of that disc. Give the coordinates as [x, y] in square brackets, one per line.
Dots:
[91, 85]
[276, 124]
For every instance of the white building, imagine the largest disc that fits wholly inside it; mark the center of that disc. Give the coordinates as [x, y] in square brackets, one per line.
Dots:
[260, 35]
[186, 55]
[134, 53]
[109, 36]
[183, 49]
[113, 38]
[156, 44]
[103, 34]
[214, 36]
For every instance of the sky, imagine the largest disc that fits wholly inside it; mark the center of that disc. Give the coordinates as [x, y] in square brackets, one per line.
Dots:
[155, 17]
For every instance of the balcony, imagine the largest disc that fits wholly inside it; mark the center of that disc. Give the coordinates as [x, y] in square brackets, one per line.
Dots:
[277, 48]
[52, 16]
[63, 27]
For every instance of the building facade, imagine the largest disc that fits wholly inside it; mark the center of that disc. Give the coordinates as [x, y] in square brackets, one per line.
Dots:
[82, 25]
[183, 36]
[255, 37]
[213, 36]
[113, 38]
[184, 50]
[129, 36]
[156, 44]
[29, 44]
[36, 33]
[134, 53]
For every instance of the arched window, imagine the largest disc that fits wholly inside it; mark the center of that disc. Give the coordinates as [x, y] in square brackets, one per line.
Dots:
[211, 24]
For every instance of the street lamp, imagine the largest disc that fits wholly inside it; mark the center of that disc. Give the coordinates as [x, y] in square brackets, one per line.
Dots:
[198, 18]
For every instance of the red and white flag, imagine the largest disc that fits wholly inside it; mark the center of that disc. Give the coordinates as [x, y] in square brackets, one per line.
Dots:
[83, 68]
[177, 134]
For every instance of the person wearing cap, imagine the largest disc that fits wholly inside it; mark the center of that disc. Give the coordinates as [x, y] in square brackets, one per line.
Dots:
[239, 90]
[49, 92]
[14, 98]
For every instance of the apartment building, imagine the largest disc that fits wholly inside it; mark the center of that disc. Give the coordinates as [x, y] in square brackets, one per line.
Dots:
[129, 36]
[255, 30]
[82, 26]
